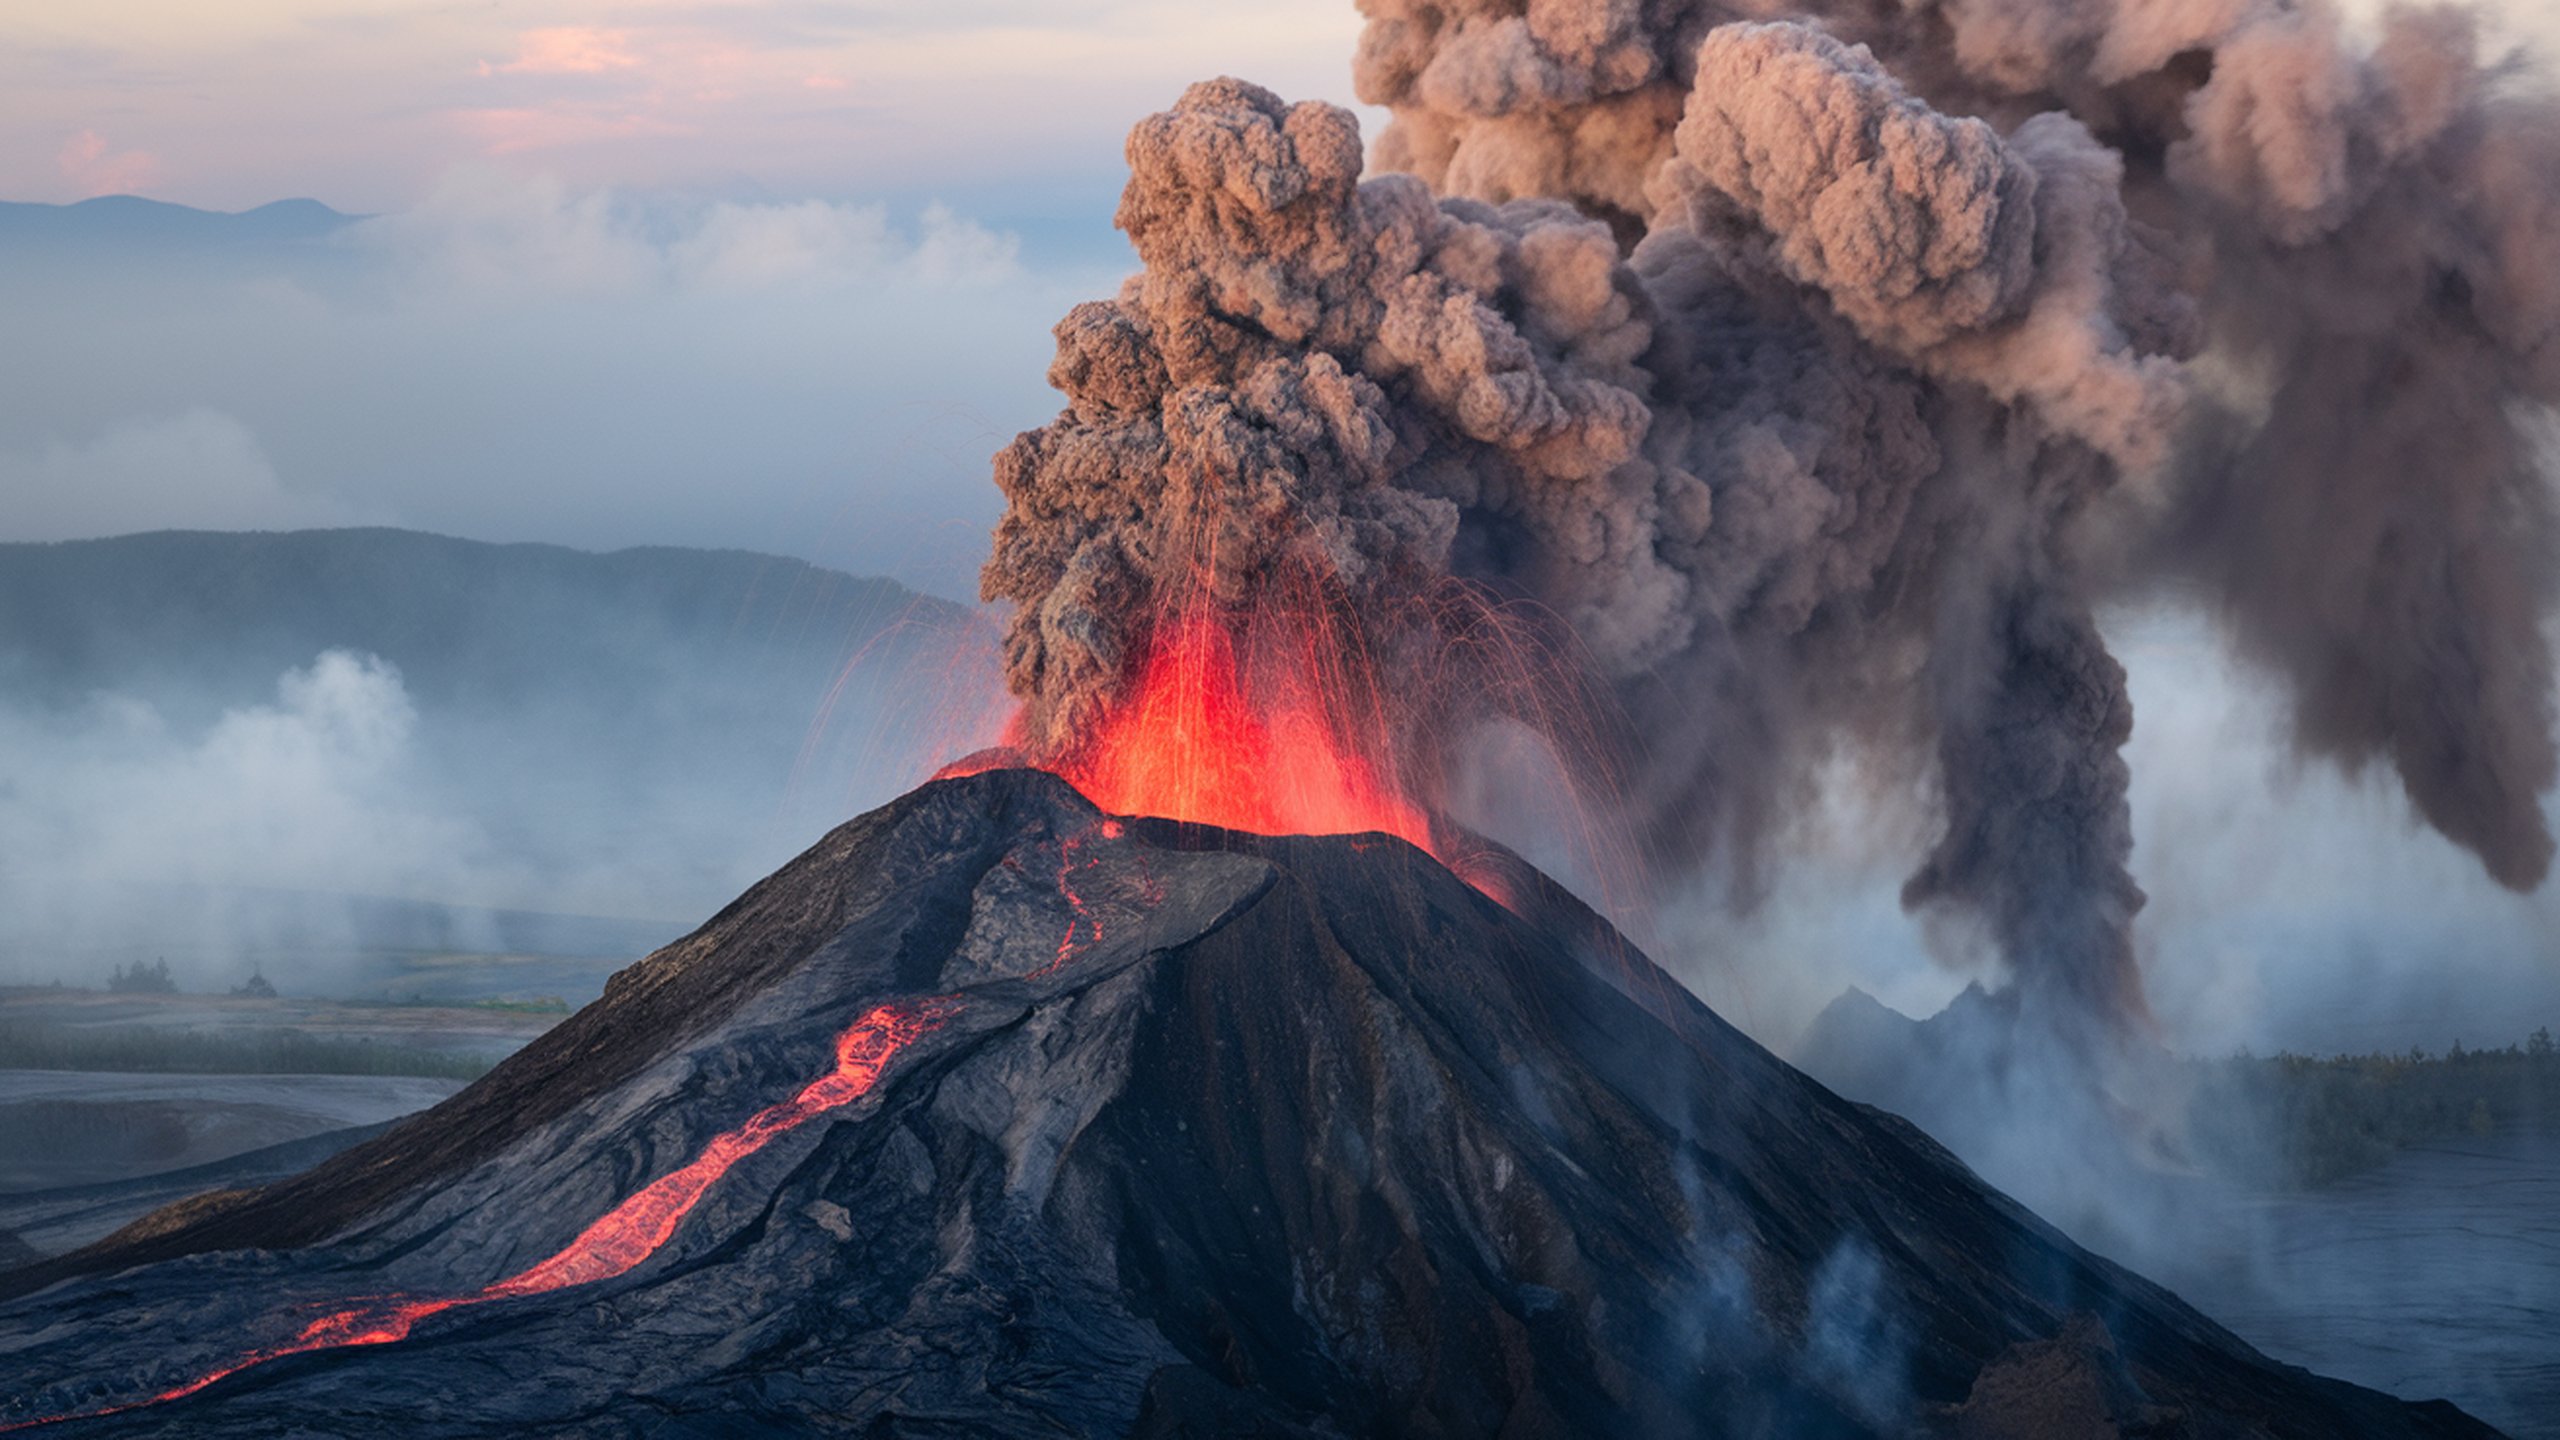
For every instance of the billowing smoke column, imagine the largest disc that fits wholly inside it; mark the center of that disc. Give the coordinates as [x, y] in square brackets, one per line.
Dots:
[1820, 376]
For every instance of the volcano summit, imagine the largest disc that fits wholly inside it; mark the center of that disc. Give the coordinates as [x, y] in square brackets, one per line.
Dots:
[992, 1114]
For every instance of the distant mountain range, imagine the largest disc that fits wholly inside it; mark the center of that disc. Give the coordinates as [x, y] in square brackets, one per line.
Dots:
[196, 619]
[113, 226]
[125, 223]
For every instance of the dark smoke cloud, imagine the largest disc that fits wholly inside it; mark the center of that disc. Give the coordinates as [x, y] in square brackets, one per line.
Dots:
[1822, 372]
[1321, 374]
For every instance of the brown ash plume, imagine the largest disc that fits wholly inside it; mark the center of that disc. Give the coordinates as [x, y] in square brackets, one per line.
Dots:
[1823, 373]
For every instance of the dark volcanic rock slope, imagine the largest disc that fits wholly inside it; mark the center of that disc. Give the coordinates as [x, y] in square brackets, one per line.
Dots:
[1181, 1132]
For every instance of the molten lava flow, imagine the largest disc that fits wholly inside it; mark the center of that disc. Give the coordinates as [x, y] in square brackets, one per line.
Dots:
[640, 1226]
[1187, 743]
[1080, 915]
[627, 1234]
[634, 1230]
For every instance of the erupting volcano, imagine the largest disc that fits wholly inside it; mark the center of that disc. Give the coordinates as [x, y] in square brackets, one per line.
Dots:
[994, 1113]
[1814, 383]
[1825, 378]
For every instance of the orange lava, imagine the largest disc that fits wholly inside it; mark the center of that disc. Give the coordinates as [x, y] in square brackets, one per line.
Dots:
[635, 1229]
[1188, 744]
[640, 1226]
[624, 1236]
[1080, 915]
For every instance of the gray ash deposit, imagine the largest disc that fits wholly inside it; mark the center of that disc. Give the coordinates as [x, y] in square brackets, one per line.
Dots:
[993, 1115]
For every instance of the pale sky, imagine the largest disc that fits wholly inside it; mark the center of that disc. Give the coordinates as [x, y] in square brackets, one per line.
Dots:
[364, 104]
[1004, 108]
[776, 274]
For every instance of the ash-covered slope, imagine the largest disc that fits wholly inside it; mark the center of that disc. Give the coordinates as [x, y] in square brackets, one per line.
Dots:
[992, 1116]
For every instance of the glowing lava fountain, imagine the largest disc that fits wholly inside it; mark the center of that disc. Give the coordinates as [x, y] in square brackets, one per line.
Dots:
[1188, 743]
[1282, 716]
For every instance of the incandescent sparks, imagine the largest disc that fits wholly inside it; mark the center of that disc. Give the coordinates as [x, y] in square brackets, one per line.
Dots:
[1191, 742]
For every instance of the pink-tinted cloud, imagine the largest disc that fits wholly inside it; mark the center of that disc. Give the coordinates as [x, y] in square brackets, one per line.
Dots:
[96, 167]
[568, 50]
[653, 82]
[516, 130]
[362, 104]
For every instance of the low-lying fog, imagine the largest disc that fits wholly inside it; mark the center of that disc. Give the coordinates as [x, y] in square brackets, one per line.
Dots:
[316, 753]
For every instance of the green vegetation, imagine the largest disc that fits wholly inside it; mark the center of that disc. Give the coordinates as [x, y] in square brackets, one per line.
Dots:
[2301, 1120]
[150, 1049]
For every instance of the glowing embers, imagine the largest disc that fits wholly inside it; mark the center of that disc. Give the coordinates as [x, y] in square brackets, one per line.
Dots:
[1296, 745]
[627, 1234]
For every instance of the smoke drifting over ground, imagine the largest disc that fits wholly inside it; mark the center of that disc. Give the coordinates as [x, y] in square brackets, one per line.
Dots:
[316, 787]
[1823, 375]
[316, 752]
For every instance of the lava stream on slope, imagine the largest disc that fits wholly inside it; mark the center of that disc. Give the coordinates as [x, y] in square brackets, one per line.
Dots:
[624, 1237]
